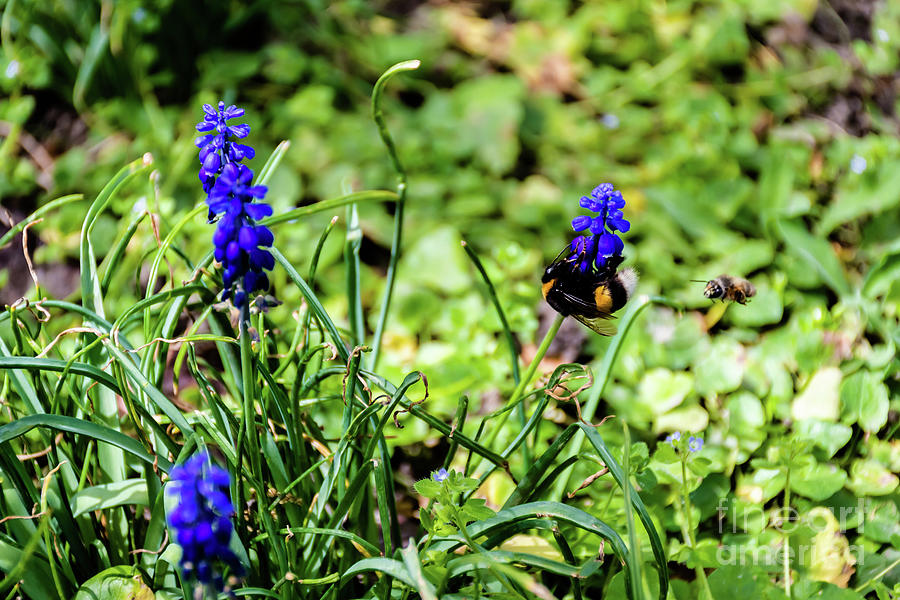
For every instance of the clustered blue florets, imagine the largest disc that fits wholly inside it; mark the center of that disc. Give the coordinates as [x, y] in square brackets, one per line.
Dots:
[603, 243]
[240, 243]
[201, 519]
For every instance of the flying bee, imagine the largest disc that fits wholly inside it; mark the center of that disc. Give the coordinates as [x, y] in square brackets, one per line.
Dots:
[725, 287]
[589, 296]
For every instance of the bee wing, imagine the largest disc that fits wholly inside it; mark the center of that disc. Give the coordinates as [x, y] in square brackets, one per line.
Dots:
[601, 325]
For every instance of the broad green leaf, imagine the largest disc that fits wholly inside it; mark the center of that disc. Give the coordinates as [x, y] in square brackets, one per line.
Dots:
[830, 559]
[765, 308]
[121, 582]
[99, 497]
[686, 418]
[746, 418]
[721, 369]
[742, 581]
[869, 478]
[662, 390]
[428, 488]
[830, 437]
[819, 399]
[817, 481]
[864, 400]
[870, 196]
[882, 522]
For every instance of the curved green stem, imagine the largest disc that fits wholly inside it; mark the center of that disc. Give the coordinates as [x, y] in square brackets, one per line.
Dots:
[688, 528]
[526, 379]
[378, 116]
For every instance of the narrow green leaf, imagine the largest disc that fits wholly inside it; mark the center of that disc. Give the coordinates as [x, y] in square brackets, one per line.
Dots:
[414, 566]
[817, 252]
[330, 204]
[619, 475]
[53, 204]
[87, 428]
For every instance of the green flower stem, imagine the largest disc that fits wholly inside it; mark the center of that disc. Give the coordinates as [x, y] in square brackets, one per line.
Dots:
[688, 528]
[378, 116]
[787, 549]
[877, 576]
[246, 435]
[526, 379]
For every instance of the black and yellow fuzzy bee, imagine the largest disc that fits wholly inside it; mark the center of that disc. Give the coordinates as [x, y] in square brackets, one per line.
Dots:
[590, 296]
[725, 287]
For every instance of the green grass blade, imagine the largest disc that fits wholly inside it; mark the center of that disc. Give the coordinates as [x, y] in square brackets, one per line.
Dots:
[556, 510]
[636, 580]
[420, 413]
[396, 238]
[157, 397]
[330, 204]
[314, 304]
[272, 163]
[53, 204]
[620, 476]
[635, 307]
[93, 55]
[108, 495]
[352, 244]
[81, 427]
[53, 364]
[540, 466]
[492, 294]
[414, 565]
[114, 257]
[90, 283]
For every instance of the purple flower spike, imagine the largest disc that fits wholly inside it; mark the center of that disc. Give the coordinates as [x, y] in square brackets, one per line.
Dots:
[201, 519]
[603, 242]
[239, 241]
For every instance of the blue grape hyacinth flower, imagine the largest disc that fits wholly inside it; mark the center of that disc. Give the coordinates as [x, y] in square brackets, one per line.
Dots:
[240, 243]
[217, 149]
[201, 519]
[602, 242]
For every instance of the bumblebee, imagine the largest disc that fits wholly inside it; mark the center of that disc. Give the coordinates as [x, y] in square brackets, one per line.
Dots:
[726, 287]
[591, 296]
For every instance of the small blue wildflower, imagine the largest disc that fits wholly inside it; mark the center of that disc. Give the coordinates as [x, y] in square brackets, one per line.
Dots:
[240, 243]
[673, 438]
[695, 444]
[440, 475]
[602, 243]
[201, 519]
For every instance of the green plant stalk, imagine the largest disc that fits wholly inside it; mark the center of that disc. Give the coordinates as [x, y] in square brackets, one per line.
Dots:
[378, 117]
[787, 511]
[636, 579]
[688, 531]
[247, 409]
[526, 379]
[633, 311]
[877, 576]
[48, 542]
